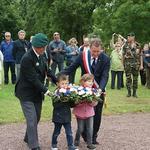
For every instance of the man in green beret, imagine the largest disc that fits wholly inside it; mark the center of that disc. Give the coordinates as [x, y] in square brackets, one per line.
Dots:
[30, 88]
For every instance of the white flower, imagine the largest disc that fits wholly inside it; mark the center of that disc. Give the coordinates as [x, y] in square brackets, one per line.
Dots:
[88, 88]
[81, 92]
[97, 94]
[89, 92]
[62, 90]
[70, 85]
[73, 89]
[80, 88]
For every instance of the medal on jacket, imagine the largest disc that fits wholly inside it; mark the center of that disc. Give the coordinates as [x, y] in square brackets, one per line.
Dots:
[37, 64]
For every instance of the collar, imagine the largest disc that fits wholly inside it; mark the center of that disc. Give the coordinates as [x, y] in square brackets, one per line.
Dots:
[93, 58]
[35, 52]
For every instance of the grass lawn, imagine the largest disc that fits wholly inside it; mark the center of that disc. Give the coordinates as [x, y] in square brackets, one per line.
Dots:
[117, 103]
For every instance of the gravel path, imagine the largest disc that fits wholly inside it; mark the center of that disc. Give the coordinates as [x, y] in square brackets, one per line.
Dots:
[118, 132]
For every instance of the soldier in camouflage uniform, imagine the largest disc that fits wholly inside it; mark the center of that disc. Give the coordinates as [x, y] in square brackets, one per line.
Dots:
[131, 61]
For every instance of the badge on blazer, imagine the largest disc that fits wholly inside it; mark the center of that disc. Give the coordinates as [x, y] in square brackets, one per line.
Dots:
[37, 64]
[98, 60]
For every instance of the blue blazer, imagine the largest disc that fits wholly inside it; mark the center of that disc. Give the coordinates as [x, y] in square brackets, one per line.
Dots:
[101, 72]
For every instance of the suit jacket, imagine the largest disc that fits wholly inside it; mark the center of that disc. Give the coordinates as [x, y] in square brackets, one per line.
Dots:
[101, 72]
[19, 49]
[30, 86]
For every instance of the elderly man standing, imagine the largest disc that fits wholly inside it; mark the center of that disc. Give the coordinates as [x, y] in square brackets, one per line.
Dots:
[30, 88]
[9, 62]
[57, 49]
[19, 49]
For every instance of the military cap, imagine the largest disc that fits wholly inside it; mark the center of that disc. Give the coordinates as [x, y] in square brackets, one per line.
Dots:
[39, 40]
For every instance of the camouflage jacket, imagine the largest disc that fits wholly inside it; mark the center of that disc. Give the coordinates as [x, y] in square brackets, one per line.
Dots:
[131, 55]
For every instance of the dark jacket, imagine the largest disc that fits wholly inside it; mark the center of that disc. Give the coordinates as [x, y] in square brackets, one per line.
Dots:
[61, 112]
[30, 86]
[101, 72]
[58, 56]
[19, 49]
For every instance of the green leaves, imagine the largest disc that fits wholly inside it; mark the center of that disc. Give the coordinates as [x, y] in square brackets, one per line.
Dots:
[123, 17]
[9, 16]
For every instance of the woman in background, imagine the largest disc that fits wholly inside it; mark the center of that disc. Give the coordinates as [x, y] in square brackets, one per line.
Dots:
[72, 52]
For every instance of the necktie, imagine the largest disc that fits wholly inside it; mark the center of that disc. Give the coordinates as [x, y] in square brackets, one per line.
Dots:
[40, 60]
[93, 64]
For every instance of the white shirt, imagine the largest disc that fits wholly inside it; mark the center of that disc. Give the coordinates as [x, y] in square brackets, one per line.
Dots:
[36, 53]
[92, 59]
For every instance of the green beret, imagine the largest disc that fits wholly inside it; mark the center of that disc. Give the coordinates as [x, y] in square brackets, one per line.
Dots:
[39, 40]
[131, 34]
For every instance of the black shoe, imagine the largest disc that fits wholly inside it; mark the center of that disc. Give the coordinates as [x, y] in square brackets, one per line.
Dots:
[91, 146]
[37, 148]
[95, 143]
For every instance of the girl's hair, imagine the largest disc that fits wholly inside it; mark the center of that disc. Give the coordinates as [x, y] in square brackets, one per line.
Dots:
[87, 77]
[62, 77]
[73, 40]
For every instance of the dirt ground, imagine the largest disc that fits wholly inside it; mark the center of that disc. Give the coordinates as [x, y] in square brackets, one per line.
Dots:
[118, 132]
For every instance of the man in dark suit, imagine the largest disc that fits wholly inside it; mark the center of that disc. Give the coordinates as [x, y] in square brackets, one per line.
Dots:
[30, 88]
[94, 61]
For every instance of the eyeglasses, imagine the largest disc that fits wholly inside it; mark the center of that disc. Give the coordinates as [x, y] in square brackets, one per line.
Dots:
[7, 35]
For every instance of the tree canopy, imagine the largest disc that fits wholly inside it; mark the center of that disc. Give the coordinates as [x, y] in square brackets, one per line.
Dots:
[77, 18]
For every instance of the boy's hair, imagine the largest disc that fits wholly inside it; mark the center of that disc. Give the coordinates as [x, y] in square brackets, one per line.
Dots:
[62, 77]
[87, 77]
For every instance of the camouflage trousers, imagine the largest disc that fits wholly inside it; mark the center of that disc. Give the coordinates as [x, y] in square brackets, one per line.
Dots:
[131, 77]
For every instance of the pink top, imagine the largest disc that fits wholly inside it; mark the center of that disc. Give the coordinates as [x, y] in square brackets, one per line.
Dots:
[84, 110]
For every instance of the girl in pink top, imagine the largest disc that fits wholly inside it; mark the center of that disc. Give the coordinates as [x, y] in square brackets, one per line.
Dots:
[84, 113]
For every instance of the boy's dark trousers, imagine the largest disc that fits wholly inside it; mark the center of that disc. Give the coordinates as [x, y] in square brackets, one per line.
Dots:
[68, 132]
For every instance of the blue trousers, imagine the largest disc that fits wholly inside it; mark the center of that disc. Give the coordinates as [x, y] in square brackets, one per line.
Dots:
[113, 78]
[68, 131]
